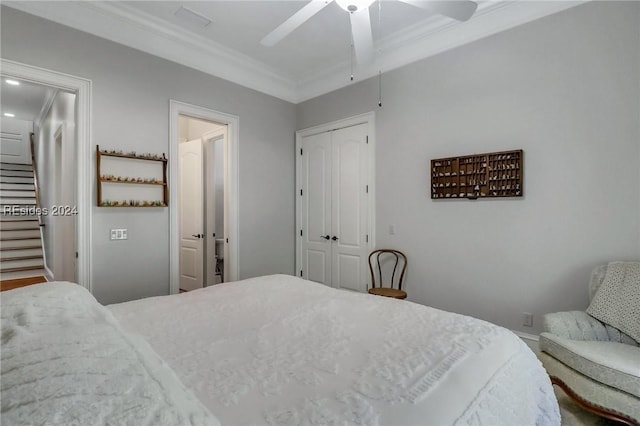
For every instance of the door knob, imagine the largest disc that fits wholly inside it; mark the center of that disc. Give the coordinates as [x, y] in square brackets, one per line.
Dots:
[334, 238]
[197, 235]
[326, 237]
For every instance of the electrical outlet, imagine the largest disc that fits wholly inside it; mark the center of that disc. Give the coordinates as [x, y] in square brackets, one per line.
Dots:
[118, 234]
[527, 319]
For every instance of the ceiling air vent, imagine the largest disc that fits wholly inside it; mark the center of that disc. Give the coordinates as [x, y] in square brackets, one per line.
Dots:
[192, 17]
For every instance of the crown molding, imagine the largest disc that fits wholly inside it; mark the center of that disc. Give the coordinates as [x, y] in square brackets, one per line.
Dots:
[132, 27]
[126, 25]
[430, 37]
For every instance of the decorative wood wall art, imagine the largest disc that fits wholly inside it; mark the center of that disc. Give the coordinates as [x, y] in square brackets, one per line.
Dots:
[148, 173]
[489, 175]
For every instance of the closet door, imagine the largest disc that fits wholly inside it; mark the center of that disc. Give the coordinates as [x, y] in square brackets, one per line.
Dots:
[316, 208]
[349, 212]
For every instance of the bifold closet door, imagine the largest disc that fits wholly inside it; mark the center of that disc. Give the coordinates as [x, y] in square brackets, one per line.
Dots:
[334, 208]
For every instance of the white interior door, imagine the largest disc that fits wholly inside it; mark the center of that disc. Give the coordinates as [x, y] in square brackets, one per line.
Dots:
[191, 215]
[316, 208]
[349, 213]
[14, 140]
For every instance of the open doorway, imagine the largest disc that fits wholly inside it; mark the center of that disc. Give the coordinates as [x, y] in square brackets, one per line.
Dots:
[81, 88]
[37, 182]
[202, 151]
[196, 255]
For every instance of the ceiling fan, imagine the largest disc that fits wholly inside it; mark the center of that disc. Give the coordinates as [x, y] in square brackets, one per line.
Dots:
[460, 10]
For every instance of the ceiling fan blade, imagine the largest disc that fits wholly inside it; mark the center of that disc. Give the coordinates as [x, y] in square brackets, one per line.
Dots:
[461, 10]
[362, 38]
[299, 18]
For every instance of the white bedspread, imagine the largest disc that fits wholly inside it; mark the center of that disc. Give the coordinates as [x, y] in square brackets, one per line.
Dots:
[66, 361]
[279, 350]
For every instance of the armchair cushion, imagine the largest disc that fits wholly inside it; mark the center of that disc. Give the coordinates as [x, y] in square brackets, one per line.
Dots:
[612, 363]
[579, 325]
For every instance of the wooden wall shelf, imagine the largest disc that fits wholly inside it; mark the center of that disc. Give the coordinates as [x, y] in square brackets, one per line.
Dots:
[154, 198]
[489, 175]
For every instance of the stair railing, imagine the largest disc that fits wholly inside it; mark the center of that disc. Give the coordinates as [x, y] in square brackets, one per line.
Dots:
[35, 180]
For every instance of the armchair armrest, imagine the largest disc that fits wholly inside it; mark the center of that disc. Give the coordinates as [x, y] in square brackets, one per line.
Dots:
[578, 325]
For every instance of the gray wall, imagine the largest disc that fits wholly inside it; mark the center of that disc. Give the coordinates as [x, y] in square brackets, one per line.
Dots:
[131, 92]
[566, 89]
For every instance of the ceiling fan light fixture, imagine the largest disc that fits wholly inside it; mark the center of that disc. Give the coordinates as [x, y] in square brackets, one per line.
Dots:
[353, 6]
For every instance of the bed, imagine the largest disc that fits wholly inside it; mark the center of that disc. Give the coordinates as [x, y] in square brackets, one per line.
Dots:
[274, 350]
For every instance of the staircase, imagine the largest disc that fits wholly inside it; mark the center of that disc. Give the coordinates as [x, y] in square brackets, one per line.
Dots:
[21, 254]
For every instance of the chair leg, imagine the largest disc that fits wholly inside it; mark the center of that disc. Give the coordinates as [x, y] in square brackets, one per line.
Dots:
[595, 409]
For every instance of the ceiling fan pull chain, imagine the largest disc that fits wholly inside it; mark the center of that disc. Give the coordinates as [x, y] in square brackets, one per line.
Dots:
[351, 57]
[380, 88]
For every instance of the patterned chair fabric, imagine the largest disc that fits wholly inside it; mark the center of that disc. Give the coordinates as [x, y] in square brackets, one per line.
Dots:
[595, 362]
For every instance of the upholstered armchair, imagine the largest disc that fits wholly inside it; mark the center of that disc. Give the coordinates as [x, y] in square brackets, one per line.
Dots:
[597, 365]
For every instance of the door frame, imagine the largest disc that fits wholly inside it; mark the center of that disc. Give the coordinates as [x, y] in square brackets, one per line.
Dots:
[85, 153]
[366, 118]
[177, 108]
[216, 135]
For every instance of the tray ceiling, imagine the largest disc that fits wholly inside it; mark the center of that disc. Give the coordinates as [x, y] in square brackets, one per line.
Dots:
[313, 60]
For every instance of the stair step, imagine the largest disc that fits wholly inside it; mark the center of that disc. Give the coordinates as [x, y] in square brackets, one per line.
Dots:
[17, 197]
[17, 186]
[19, 238]
[12, 219]
[16, 173]
[21, 268]
[20, 251]
[18, 204]
[11, 170]
[20, 244]
[25, 232]
[26, 247]
[11, 259]
[19, 166]
[13, 227]
[18, 193]
[8, 219]
[5, 276]
[16, 179]
[36, 262]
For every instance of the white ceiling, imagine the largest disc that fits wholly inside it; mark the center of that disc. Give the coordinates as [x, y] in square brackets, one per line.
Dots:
[26, 101]
[313, 60]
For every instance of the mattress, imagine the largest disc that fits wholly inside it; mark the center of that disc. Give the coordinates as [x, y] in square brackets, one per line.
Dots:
[280, 350]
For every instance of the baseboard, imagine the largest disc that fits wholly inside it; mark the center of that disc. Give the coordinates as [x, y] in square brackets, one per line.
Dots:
[48, 274]
[530, 339]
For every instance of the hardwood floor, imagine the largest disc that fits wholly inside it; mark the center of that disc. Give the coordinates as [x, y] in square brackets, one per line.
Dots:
[22, 282]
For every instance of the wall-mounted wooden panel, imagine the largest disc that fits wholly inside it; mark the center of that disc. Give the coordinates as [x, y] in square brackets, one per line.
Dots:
[489, 175]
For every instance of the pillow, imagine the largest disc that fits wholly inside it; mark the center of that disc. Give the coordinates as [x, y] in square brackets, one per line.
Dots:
[66, 360]
[617, 301]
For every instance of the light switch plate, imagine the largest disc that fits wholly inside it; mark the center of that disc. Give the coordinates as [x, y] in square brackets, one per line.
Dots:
[118, 234]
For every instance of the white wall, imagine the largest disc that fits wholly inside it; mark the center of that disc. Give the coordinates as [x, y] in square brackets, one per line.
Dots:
[58, 232]
[130, 111]
[565, 89]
